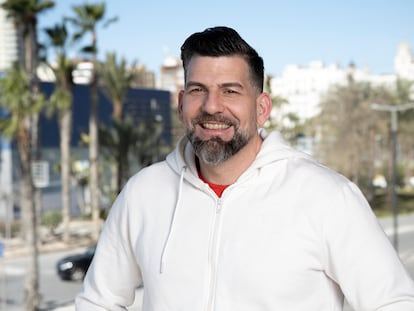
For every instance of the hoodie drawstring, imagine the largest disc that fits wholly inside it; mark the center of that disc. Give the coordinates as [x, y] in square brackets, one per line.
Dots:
[177, 203]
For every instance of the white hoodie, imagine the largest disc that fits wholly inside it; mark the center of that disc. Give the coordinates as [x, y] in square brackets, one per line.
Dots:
[289, 234]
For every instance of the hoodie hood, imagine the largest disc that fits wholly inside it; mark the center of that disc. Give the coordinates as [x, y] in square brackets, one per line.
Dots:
[273, 148]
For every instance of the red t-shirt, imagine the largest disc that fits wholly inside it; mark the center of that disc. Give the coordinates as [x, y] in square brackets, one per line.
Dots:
[218, 189]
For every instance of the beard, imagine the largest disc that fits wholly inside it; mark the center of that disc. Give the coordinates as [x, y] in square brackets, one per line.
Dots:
[215, 150]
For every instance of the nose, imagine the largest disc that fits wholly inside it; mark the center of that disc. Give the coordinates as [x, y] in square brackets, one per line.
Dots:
[213, 103]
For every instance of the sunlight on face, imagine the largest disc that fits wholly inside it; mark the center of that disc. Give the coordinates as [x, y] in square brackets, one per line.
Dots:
[218, 107]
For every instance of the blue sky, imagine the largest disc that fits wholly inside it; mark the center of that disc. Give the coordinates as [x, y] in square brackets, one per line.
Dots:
[366, 32]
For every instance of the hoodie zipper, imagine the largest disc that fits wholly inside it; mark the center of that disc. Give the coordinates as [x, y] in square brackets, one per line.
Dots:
[213, 252]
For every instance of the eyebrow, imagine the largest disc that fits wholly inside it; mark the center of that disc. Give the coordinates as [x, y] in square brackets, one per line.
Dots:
[222, 85]
[193, 83]
[231, 84]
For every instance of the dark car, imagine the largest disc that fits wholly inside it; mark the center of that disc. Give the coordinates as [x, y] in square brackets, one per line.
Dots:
[74, 267]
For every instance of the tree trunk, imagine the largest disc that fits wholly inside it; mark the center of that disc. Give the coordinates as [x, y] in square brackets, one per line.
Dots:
[93, 156]
[65, 134]
[31, 145]
[117, 113]
[31, 291]
[116, 180]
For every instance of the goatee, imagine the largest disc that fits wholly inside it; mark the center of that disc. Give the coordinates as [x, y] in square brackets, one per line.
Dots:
[215, 150]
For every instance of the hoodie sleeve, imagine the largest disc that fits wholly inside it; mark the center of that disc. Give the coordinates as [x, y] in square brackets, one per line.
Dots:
[114, 274]
[361, 259]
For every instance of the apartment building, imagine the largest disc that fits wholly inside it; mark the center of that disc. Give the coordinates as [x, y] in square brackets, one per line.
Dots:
[404, 62]
[9, 51]
[172, 77]
[303, 86]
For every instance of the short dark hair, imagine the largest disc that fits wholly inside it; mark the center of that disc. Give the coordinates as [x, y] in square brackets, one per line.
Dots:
[223, 41]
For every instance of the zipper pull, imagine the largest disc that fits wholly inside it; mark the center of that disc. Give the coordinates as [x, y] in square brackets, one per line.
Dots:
[219, 205]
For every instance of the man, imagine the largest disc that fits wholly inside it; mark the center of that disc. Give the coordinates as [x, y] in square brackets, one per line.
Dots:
[235, 219]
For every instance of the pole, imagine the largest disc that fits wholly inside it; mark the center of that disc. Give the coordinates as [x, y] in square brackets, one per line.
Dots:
[3, 278]
[394, 109]
[393, 185]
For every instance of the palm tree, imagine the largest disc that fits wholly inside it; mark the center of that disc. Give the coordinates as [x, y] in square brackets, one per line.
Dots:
[115, 79]
[124, 140]
[61, 100]
[150, 146]
[87, 18]
[287, 123]
[24, 14]
[116, 142]
[17, 100]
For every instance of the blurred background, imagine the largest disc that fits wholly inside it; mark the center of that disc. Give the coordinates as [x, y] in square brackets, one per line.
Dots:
[88, 96]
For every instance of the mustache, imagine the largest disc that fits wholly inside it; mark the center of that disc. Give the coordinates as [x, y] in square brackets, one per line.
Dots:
[214, 118]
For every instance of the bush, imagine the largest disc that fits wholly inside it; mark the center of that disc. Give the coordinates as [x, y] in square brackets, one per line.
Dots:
[382, 206]
[14, 227]
[51, 219]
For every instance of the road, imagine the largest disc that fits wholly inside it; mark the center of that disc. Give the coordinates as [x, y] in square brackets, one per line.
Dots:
[405, 242]
[56, 294]
[54, 291]
[59, 295]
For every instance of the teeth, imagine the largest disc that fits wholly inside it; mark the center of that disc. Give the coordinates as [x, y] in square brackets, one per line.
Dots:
[215, 126]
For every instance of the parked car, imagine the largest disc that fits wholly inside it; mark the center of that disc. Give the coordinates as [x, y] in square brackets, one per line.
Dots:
[74, 267]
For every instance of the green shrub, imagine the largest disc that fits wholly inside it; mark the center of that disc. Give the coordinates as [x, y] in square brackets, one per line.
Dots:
[14, 226]
[51, 219]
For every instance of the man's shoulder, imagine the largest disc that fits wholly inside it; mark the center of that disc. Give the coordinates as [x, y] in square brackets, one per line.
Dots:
[154, 173]
[318, 173]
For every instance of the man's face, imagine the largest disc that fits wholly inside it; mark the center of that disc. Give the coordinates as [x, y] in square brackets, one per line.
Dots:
[218, 107]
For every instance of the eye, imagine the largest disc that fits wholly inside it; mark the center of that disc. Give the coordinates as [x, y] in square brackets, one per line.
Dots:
[230, 91]
[195, 90]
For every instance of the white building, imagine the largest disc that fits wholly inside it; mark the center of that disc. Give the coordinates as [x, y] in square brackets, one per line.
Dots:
[9, 51]
[6, 180]
[404, 62]
[82, 74]
[303, 86]
[172, 76]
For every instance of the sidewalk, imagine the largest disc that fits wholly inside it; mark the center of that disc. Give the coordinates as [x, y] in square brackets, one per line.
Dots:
[405, 224]
[81, 235]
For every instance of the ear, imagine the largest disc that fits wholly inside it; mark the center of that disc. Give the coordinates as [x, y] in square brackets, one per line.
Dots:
[180, 105]
[263, 107]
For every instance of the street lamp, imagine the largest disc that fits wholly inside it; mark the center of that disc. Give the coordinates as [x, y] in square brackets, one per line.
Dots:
[394, 129]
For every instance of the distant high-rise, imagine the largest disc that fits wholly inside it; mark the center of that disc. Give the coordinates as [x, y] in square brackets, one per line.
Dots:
[8, 54]
[404, 62]
[172, 77]
[9, 50]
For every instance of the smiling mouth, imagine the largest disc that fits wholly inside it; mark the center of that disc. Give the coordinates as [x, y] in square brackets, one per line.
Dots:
[215, 126]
